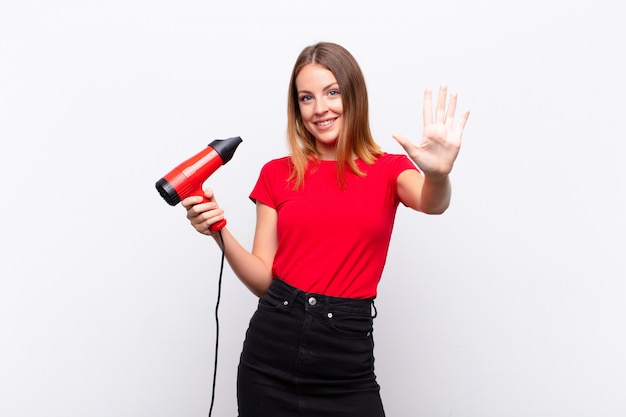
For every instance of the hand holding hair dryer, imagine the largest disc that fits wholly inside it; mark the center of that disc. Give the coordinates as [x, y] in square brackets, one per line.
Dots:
[187, 178]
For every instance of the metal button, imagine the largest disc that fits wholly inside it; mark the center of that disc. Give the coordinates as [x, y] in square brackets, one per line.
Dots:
[285, 302]
[330, 315]
[312, 301]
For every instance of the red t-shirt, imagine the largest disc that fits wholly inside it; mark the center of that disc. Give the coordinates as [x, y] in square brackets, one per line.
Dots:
[333, 241]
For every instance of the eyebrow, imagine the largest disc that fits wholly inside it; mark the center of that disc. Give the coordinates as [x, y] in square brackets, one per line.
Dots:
[328, 87]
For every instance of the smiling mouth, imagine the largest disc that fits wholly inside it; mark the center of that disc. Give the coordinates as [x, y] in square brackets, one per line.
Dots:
[324, 123]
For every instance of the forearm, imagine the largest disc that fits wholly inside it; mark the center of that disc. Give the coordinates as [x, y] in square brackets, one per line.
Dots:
[435, 195]
[251, 270]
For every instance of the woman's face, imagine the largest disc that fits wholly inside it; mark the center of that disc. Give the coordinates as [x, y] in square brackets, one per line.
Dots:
[321, 107]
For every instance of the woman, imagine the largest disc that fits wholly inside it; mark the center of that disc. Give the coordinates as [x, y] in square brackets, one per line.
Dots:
[324, 220]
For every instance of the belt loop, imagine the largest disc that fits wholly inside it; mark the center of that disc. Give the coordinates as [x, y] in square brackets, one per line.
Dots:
[374, 308]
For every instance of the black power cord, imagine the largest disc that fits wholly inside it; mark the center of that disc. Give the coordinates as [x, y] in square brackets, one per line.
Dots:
[217, 323]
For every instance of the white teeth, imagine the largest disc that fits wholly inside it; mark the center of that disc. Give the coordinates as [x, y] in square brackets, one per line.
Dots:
[324, 123]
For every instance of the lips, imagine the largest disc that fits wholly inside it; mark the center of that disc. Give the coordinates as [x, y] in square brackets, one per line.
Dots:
[325, 123]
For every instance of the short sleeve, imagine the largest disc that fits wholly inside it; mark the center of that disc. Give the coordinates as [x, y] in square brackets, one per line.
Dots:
[272, 179]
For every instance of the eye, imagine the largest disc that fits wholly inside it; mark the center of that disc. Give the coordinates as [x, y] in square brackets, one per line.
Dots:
[305, 98]
[333, 93]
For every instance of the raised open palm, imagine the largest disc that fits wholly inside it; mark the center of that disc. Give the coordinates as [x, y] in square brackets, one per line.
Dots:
[441, 140]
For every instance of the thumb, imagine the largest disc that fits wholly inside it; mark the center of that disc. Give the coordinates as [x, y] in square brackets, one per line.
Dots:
[209, 194]
[402, 140]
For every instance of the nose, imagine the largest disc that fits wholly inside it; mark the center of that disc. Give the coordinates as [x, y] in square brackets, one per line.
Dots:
[320, 106]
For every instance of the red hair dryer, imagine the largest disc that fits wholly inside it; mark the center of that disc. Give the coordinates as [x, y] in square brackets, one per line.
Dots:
[187, 178]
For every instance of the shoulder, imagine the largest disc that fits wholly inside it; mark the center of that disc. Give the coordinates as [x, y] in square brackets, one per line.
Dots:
[394, 163]
[273, 173]
[391, 158]
[279, 163]
[277, 166]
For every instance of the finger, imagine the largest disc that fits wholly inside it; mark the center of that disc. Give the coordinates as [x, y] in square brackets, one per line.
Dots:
[199, 211]
[440, 113]
[462, 123]
[211, 222]
[451, 110]
[208, 215]
[191, 201]
[208, 230]
[208, 193]
[428, 107]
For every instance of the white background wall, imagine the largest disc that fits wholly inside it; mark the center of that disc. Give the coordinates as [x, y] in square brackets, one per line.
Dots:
[511, 304]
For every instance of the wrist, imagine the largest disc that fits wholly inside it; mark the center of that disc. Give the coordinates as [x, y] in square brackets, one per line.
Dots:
[436, 178]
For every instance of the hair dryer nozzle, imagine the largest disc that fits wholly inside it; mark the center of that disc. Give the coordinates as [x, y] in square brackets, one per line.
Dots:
[226, 147]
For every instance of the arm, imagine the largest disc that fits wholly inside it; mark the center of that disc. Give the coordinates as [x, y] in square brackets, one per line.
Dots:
[435, 155]
[426, 194]
[254, 268]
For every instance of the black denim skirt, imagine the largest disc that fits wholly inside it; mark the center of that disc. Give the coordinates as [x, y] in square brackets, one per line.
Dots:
[308, 355]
